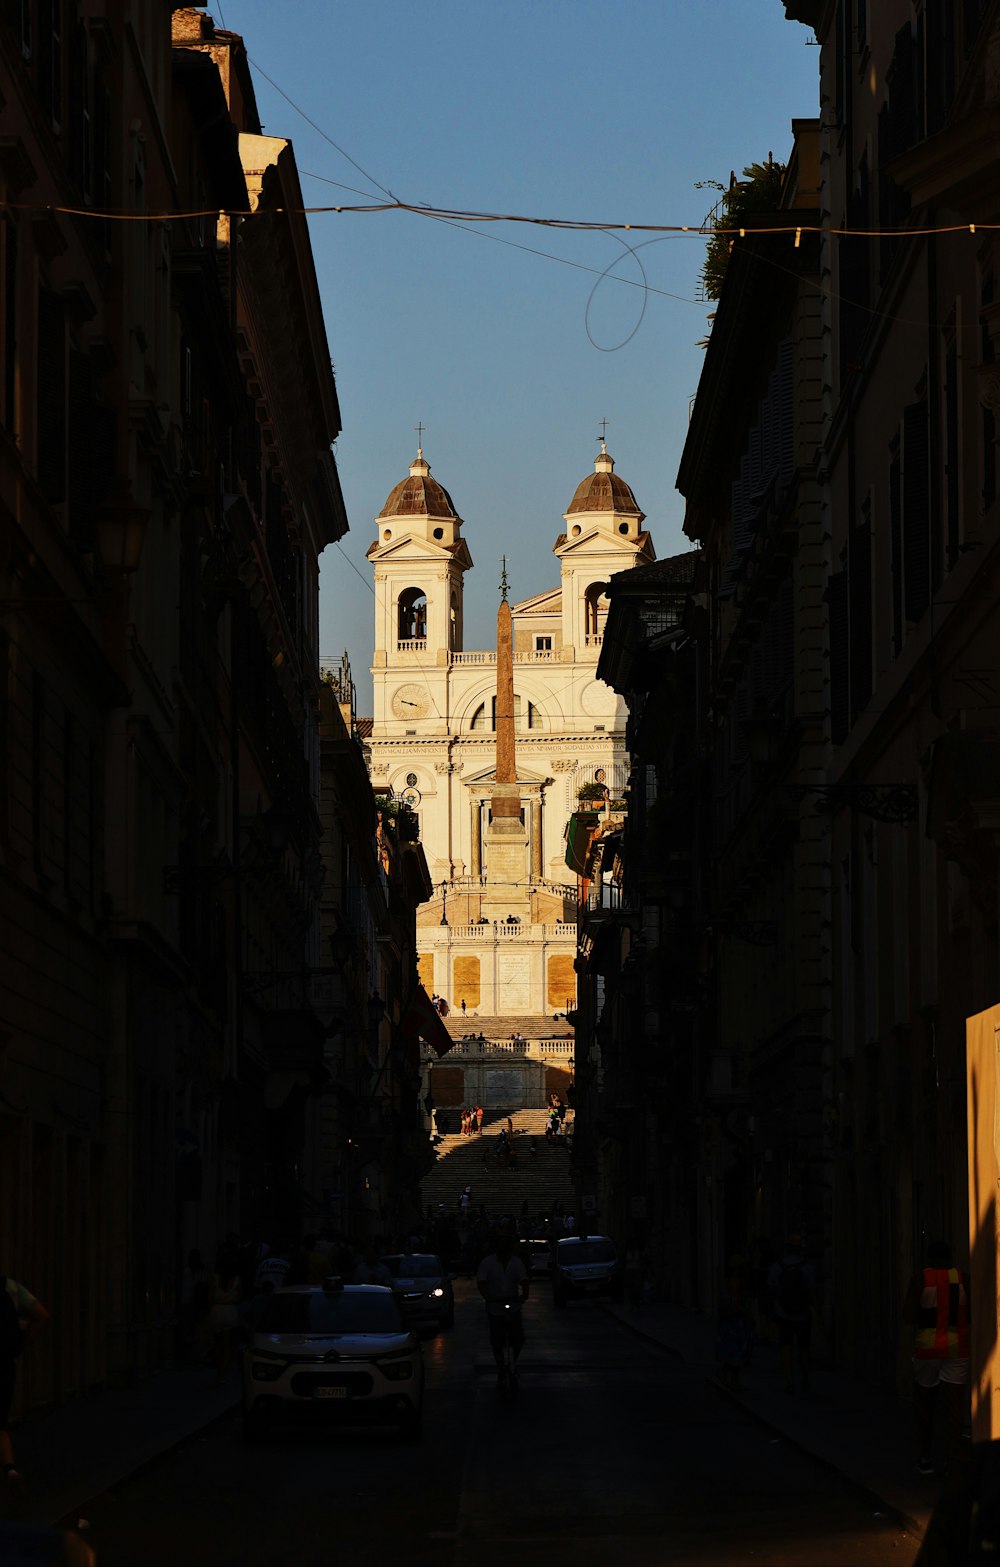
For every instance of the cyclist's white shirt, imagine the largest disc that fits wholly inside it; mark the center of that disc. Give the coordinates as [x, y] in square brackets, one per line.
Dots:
[502, 1283]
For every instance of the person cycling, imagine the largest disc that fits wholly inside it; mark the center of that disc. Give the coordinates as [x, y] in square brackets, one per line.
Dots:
[502, 1281]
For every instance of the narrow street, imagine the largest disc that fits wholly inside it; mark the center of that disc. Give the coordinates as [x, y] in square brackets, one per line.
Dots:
[615, 1453]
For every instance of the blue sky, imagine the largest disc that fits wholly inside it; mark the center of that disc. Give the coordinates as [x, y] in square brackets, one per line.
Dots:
[553, 108]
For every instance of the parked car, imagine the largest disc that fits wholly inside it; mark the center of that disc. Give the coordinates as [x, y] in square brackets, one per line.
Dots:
[336, 1354]
[586, 1265]
[421, 1284]
[538, 1257]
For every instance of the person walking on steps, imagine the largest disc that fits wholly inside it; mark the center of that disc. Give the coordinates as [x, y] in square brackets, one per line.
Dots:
[792, 1284]
[21, 1317]
[937, 1306]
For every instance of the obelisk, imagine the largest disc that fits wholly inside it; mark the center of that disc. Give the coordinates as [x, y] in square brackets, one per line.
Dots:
[507, 884]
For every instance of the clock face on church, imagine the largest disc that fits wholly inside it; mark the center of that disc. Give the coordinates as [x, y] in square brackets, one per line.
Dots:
[410, 702]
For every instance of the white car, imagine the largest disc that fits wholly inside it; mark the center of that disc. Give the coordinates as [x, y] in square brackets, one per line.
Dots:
[339, 1354]
[586, 1265]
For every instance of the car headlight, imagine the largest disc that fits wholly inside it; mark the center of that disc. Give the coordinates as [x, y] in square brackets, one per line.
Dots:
[437, 1294]
[397, 1370]
[266, 1370]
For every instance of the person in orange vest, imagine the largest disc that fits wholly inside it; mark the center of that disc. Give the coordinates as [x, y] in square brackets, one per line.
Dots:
[937, 1306]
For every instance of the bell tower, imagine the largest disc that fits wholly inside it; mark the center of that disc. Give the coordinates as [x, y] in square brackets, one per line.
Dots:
[604, 534]
[420, 559]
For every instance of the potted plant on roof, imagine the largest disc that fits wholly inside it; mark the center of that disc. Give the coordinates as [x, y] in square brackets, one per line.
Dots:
[592, 793]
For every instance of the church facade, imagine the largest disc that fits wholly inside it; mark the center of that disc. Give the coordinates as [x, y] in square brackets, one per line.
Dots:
[500, 934]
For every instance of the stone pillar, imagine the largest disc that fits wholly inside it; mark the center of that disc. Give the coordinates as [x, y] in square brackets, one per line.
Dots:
[476, 808]
[536, 839]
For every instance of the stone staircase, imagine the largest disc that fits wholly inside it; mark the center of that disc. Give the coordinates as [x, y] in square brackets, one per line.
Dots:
[540, 1181]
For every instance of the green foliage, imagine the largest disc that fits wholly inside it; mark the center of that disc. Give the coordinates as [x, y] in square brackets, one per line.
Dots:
[758, 191]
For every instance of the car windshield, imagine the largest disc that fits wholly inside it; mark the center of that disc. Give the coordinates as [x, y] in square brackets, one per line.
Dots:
[414, 1267]
[316, 1311]
[573, 1253]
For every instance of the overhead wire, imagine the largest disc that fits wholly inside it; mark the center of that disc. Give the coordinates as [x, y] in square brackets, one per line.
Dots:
[461, 215]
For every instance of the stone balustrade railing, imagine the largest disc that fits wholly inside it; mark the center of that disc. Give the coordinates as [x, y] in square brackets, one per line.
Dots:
[561, 930]
[532, 1049]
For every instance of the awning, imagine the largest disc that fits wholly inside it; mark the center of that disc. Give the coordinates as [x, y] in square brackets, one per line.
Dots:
[579, 836]
[422, 1021]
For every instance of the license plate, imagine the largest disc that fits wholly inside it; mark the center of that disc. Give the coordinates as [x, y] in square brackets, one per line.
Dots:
[330, 1392]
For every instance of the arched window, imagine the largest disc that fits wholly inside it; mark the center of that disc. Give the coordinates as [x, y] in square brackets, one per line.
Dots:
[412, 615]
[526, 715]
[453, 623]
[595, 604]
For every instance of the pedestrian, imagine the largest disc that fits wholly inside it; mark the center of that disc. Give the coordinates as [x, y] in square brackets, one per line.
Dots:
[371, 1269]
[792, 1285]
[936, 1305]
[223, 1312]
[317, 1262]
[274, 1266]
[193, 1303]
[21, 1317]
[635, 1272]
[479, 1119]
[255, 1311]
[465, 1201]
[463, 1006]
[734, 1337]
[510, 1127]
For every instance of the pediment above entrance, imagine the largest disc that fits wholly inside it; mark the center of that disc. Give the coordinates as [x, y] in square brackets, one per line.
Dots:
[488, 776]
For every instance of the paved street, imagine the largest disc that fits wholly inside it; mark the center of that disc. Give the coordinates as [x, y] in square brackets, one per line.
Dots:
[616, 1453]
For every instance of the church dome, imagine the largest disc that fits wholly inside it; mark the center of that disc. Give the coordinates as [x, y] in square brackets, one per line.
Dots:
[603, 490]
[418, 495]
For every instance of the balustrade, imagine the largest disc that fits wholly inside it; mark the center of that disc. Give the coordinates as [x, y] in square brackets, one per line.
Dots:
[522, 656]
[557, 930]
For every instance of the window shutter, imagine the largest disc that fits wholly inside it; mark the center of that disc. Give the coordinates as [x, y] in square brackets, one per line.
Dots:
[785, 406]
[916, 512]
[837, 604]
[896, 546]
[859, 568]
[51, 403]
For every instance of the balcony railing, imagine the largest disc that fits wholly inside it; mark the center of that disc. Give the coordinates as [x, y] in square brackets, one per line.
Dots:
[522, 656]
[533, 1049]
[412, 645]
[556, 930]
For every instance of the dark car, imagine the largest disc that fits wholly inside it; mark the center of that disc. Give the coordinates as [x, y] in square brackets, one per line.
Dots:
[586, 1265]
[421, 1284]
[340, 1354]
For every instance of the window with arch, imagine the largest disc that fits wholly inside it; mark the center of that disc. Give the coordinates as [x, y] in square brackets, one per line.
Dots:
[526, 716]
[411, 624]
[453, 623]
[595, 606]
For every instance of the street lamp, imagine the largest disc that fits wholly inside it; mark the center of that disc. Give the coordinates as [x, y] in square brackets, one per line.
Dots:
[444, 903]
[119, 529]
